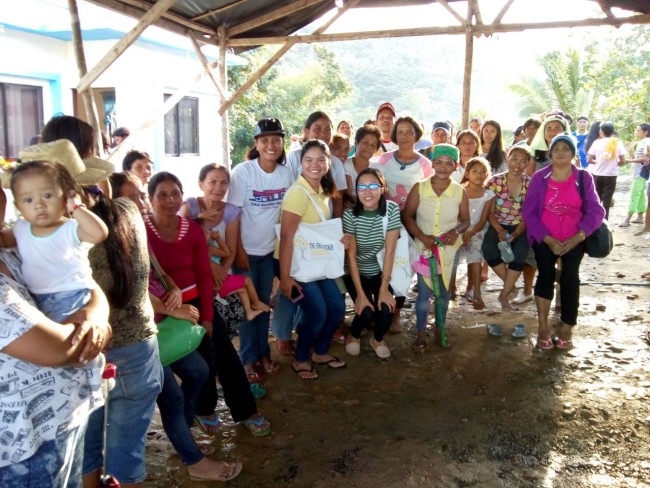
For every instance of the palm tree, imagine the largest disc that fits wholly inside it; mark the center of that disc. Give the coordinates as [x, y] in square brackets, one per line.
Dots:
[565, 86]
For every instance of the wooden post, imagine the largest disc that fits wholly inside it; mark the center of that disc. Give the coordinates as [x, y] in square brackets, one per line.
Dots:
[223, 79]
[467, 75]
[86, 94]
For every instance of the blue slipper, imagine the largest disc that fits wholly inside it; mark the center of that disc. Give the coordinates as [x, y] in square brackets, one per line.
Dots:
[258, 390]
[208, 426]
[519, 331]
[494, 330]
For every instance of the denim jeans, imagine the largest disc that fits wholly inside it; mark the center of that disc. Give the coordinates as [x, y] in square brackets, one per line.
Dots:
[422, 302]
[286, 314]
[254, 334]
[56, 464]
[58, 306]
[130, 408]
[323, 308]
[177, 404]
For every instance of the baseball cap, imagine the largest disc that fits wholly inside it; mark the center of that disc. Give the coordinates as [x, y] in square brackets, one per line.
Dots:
[386, 106]
[442, 125]
[267, 127]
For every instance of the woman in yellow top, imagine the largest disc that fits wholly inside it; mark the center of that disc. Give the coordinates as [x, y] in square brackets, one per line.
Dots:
[436, 214]
[320, 301]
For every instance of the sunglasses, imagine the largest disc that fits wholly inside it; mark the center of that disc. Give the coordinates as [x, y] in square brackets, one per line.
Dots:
[371, 186]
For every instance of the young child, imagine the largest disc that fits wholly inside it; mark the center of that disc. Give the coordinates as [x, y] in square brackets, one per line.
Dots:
[476, 174]
[340, 147]
[436, 214]
[240, 284]
[51, 237]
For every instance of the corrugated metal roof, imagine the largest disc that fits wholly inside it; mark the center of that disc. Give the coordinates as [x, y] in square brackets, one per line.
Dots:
[206, 16]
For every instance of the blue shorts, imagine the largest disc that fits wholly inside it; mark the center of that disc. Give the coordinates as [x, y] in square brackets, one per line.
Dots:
[56, 464]
[130, 408]
[58, 306]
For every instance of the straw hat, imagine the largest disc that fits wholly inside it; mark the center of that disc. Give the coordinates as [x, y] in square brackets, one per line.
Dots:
[88, 171]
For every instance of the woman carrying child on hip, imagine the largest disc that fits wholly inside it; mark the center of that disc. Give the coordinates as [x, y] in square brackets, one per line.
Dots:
[220, 222]
[54, 223]
[436, 214]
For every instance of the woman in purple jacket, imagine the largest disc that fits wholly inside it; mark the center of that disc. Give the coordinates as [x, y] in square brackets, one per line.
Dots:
[557, 228]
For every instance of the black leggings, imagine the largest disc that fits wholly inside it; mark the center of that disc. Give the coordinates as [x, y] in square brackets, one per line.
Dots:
[569, 278]
[382, 318]
[224, 363]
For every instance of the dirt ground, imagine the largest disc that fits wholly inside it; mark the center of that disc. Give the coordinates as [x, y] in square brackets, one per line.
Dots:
[489, 412]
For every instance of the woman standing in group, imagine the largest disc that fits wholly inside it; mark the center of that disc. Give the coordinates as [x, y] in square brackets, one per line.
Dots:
[322, 303]
[492, 146]
[374, 224]
[559, 217]
[436, 215]
[469, 145]
[506, 223]
[366, 141]
[638, 198]
[402, 169]
[258, 186]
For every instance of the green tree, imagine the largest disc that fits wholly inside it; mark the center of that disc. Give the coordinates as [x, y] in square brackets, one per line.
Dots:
[302, 82]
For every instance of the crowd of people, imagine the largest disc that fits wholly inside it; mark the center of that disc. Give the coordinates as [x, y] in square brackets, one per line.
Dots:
[93, 247]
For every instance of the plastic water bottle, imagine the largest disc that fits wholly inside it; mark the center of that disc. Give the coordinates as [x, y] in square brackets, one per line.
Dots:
[506, 250]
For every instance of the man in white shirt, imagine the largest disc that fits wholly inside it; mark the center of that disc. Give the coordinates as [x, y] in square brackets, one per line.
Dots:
[605, 156]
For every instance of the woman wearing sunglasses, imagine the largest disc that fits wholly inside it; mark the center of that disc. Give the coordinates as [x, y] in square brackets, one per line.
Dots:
[373, 223]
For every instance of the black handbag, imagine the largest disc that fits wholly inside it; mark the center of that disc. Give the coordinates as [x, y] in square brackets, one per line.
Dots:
[600, 243]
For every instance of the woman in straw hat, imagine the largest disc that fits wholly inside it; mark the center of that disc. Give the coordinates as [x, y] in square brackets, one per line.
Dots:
[42, 432]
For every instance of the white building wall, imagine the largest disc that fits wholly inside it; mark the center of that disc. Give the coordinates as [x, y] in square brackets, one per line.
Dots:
[140, 77]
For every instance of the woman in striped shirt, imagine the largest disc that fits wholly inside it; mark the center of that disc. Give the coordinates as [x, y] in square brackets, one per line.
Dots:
[374, 223]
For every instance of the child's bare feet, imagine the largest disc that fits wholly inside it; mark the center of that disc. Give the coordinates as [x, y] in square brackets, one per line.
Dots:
[505, 304]
[261, 306]
[251, 314]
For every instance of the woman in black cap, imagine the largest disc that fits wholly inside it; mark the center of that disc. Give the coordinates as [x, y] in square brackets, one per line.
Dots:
[257, 186]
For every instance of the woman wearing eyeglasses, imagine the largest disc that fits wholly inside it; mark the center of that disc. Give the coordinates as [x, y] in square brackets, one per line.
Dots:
[373, 223]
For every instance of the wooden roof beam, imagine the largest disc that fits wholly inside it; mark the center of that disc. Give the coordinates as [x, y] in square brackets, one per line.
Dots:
[453, 12]
[271, 16]
[606, 9]
[217, 10]
[434, 31]
[502, 12]
[206, 65]
[122, 45]
[169, 21]
[473, 4]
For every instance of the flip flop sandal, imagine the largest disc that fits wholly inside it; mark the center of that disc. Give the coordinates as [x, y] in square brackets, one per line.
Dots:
[259, 426]
[563, 344]
[494, 330]
[253, 376]
[519, 331]
[218, 476]
[258, 390]
[329, 363]
[545, 344]
[271, 367]
[208, 426]
[286, 348]
[311, 370]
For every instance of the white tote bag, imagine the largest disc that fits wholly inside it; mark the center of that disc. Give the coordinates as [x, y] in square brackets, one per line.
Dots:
[317, 249]
[405, 251]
